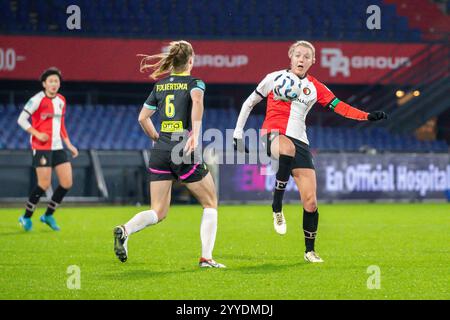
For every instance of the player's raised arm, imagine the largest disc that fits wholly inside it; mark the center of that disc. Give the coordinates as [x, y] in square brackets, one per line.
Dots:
[247, 107]
[327, 99]
[253, 99]
[350, 112]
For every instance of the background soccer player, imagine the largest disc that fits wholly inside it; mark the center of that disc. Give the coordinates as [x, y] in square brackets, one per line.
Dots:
[179, 100]
[286, 136]
[48, 131]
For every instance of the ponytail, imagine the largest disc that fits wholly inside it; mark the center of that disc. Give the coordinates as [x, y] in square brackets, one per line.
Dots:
[176, 58]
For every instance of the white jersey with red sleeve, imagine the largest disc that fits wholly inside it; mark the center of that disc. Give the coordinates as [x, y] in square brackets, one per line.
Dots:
[47, 116]
[288, 117]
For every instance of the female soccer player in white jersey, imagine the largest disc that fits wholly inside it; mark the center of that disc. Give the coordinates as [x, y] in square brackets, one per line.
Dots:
[286, 138]
[48, 131]
[179, 100]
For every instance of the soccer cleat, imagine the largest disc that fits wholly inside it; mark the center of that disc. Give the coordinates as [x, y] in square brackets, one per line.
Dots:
[311, 256]
[279, 223]
[50, 221]
[120, 243]
[209, 263]
[26, 223]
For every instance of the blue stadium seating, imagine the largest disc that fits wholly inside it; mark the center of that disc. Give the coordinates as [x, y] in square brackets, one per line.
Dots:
[115, 127]
[277, 19]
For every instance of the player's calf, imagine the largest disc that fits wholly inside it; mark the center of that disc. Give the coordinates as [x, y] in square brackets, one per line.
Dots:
[282, 179]
[310, 226]
[56, 200]
[33, 200]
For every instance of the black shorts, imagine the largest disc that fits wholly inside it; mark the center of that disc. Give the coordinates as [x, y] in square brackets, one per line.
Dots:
[162, 168]
[49, 158]
[303, 157]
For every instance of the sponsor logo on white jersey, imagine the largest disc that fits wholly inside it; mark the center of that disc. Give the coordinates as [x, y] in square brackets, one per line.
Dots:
[338, 63]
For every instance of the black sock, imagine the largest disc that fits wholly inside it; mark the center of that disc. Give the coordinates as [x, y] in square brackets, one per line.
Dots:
[310, 224]
[284, 171]
[56, 200]
[33, 199]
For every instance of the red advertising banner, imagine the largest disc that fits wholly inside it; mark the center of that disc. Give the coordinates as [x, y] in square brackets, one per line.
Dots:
[91, 59]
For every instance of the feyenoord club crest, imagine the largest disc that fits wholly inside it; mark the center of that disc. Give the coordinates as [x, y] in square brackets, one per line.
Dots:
[306, 91]
[43, 161]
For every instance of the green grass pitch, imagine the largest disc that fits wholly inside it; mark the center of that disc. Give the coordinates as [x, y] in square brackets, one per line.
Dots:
[410, 243]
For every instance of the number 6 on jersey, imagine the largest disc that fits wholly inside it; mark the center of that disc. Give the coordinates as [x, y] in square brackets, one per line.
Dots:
[170, 107]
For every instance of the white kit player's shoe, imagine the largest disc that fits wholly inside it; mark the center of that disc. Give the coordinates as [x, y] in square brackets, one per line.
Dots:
[279, 223]
[209, 263]
[311, 256]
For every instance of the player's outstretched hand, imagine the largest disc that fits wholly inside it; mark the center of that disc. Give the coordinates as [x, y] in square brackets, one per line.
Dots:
[239, 145]
[377, 115]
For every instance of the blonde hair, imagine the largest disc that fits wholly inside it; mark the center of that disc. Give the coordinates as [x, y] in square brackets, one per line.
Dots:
[302, 43]
[176, 58]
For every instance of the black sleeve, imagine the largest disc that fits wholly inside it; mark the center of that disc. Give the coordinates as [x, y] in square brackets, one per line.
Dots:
[196, 84]
[151, 102]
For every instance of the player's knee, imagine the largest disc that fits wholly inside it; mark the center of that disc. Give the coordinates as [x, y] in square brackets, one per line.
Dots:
[44, 184]
[287, 149]
[310, 203]
[209, 203]
[66, 184]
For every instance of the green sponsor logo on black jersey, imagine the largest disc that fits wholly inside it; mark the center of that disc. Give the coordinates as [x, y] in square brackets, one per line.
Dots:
[172, 126]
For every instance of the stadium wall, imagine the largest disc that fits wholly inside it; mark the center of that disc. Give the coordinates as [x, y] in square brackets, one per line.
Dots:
[235, 62]
[349, 177]
[120, 177]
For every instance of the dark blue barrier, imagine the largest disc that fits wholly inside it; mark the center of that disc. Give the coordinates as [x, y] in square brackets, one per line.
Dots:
[346, 176]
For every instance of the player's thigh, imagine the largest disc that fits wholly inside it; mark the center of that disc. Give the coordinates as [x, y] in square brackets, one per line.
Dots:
[204, 191]
[160, 195]
[305, 180]
[282, 145]
[64, 174]
[44, 177]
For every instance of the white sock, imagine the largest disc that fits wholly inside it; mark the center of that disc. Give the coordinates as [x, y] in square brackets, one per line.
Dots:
[208, 229]
[140, 221]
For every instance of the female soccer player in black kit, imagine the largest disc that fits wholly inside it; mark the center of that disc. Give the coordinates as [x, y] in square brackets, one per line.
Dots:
[179, 100]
